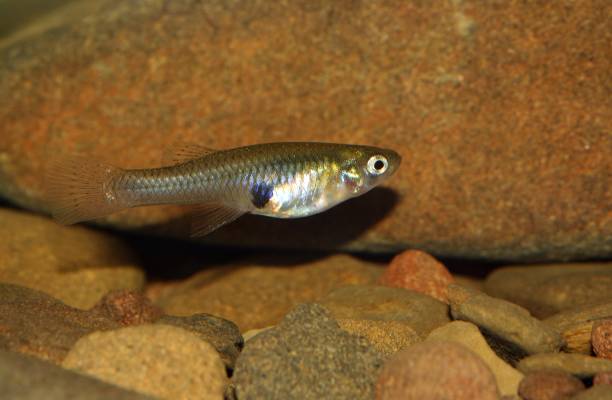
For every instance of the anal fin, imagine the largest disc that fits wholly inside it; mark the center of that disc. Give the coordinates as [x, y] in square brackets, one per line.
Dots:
[209, 217]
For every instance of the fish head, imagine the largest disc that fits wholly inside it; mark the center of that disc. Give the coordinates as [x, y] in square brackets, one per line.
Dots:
[366, 167]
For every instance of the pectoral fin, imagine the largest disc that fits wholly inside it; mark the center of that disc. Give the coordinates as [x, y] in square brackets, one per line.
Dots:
[209, 217]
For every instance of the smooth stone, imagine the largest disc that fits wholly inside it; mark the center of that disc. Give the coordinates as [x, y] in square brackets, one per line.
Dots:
[579, 365]
[159, 360]
[601, 337]
[35, 323]
[576, 326]
[503, 319]
[603, 378]
[420, 312]
[548, 289]
[260, 292]
[468, 335]
[387, 337]
[221, 333]
[418, 271]
[549, 385]
[29, 378]
[74, 264]
[306, 356]
[599, 392]
[436, 370]
[459, 89]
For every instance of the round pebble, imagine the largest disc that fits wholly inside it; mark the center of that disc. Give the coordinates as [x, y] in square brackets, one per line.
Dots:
[418, 271]
[601, 337]
[549, 385]
[436, 370]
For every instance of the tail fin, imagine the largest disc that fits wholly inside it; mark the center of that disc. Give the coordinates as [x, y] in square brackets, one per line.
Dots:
[80, 189]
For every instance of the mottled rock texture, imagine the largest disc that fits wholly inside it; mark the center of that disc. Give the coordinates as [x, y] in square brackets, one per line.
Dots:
[549, 385]
[502, 116]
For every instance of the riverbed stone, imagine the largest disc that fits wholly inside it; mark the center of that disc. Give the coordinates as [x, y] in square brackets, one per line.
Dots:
[549, 385]
[579, 365]
[461, 90]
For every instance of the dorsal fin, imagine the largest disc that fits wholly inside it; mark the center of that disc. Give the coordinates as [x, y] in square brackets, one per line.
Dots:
[183, 152]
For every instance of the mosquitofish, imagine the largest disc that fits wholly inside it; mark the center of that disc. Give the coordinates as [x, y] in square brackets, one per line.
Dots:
[281, 180]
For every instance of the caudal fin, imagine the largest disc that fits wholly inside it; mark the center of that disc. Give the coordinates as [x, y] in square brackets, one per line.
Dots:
[80, 189]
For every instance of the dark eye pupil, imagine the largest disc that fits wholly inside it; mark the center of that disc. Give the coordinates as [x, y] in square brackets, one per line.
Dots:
[378, 165]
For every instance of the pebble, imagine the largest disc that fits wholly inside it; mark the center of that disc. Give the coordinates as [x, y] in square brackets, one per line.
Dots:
[549, 289]
[579, 365]
[387, 337]
[576, 326]
[418, 271]
[38, 253]
[436, 370]
[468, 335]
[259, 293]
[420, 312]
[35, 323]
[503, 319]
[600, 392]
[221, 333]
[28, 378]
[159, 360]
[306, 356]
[602, 338]
[127, 308]
[549, 385]
[603, 378]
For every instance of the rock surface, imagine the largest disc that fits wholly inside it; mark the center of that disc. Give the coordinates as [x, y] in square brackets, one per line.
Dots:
[461, 90]
[28, 378]
[601, 392]
[503, 319]
[307, 356]
[549, 385]
[418, 271]
[387, 337]
[468, 335]
[159, 360]
[34, 323]
[436, 370]
[601, 337]
[603, 378]
[578, 365]
[549, 289]
[221, 333]
[378, 303]
[259, 293]
[576, 326]
[74, 264]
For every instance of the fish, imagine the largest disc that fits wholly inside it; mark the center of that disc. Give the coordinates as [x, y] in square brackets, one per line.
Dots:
[280, 180]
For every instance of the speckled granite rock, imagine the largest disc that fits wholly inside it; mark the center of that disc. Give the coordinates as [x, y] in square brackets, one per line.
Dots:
[436, 370]
[549, 385]
[580, 365]
[387, 337]
[548, 289]
[28, 378]
[159, 360]
[576, 325]
[465, 93]
[418, 271]
[307, 356]
[601, 337]
[74, 264]
[468, 335]
[259, 293]
[420, 312]
[506, 320]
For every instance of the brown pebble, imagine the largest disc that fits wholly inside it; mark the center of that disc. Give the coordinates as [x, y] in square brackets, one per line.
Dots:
[418, 271]
[549, 385]
[128, 308]
[603, 378]
[601, 337]
[436, 370]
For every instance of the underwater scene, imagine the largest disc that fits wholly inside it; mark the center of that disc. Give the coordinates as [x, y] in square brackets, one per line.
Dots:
[305, 199]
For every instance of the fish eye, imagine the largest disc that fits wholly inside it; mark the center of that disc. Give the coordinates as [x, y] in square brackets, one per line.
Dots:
[377, 165]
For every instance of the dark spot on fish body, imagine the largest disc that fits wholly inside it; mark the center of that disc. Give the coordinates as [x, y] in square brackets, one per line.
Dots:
[261, 193]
